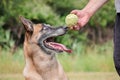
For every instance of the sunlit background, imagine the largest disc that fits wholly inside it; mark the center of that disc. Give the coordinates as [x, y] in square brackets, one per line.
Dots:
[92, 57]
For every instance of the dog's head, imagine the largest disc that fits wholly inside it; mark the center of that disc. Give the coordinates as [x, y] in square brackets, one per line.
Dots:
[43, 34]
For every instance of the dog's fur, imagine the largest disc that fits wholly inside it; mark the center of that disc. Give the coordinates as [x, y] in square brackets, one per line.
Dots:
[41, 63]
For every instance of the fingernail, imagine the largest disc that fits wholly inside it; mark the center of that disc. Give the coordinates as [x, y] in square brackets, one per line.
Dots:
[77, 28]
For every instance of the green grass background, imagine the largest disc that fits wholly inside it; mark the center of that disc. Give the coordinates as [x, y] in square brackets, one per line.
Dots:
[94, 58]
[93, 62]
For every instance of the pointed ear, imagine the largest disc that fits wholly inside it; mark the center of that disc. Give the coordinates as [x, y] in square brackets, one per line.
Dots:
[27, 24]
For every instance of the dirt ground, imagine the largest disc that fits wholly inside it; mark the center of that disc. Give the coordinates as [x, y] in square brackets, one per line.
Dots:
[72, 76]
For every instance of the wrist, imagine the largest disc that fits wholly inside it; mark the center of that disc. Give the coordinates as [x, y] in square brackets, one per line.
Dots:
[93, 6]
[88, 12]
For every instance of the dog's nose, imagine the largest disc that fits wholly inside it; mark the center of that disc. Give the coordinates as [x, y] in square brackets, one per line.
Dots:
[66, 28]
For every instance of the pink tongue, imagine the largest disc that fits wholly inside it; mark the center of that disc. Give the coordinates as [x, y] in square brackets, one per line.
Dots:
[60, 47]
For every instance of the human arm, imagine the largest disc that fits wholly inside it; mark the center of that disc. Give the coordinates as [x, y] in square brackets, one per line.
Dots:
[87, 12]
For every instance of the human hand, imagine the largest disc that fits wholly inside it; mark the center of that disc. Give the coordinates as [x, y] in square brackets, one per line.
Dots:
[83, 18]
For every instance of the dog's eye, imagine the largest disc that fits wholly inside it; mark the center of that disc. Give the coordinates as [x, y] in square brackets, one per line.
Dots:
[46, 26]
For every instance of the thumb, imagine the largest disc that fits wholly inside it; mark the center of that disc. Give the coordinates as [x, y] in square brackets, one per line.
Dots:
[74, 12]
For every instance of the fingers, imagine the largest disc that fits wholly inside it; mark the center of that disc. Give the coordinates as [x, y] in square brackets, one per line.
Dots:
[83, 19]
[76, 27]
[79, 25]
[74, 12]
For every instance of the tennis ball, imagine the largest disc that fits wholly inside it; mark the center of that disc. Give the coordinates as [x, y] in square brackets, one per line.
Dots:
[71, 20]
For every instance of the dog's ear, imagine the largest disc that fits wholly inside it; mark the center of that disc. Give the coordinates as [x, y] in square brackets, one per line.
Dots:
[27, 24]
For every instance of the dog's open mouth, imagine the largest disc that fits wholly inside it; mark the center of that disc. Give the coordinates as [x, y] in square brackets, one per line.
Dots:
[49, 43]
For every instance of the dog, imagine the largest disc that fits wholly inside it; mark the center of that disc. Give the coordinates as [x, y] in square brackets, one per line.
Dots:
[40, 50]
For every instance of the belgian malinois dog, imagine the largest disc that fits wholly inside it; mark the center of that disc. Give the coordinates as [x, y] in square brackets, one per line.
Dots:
[40, 50]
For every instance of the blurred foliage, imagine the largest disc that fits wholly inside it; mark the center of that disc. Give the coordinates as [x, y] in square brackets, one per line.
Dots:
[52, 12]
[83, 59]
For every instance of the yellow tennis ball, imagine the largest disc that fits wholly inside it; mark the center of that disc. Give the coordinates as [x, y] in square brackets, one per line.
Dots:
[71, 20]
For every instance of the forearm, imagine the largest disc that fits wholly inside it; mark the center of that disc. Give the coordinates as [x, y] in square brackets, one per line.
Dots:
[93, 6]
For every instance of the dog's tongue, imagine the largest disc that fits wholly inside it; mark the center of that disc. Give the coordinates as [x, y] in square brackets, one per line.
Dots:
[60, 47]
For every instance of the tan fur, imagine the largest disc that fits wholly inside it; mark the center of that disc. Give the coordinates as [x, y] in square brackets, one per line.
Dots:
[39, 65]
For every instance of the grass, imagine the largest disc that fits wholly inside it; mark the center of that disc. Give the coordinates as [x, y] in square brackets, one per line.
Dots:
[85, 63]
[97, 58]
[72, 76]
[88, 63]
[11, 63]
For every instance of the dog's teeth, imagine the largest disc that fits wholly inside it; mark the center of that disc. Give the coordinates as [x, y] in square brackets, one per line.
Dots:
[45, 41]
[48, 44]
